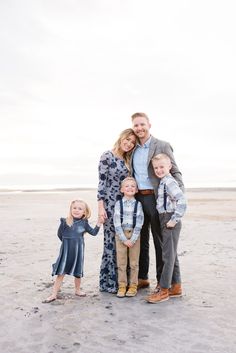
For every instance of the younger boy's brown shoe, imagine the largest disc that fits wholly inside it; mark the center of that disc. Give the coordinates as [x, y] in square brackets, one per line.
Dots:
[143, 283]
[158, 297]
[175, 290]
[122, 290]
[132, 290]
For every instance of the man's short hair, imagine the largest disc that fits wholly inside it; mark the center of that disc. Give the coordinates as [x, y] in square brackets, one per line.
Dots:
[137, 115]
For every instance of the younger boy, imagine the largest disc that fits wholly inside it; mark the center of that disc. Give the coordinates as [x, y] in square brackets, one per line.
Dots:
[128, 221]
[171, 205]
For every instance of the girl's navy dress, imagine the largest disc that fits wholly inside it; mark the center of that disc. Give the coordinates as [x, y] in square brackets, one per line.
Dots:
[71, 257]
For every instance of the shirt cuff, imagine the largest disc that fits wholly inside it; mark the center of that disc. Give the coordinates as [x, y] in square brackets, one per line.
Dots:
[134, 238]
[175, 219]
[122, 237]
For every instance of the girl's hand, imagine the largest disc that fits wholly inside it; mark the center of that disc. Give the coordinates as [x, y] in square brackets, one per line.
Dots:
[100, 221]
[171, 224]
[102, 216]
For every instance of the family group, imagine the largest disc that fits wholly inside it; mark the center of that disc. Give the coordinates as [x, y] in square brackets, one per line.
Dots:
[140, 190]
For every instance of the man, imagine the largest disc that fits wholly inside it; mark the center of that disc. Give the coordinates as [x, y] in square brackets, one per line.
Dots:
[147, 181]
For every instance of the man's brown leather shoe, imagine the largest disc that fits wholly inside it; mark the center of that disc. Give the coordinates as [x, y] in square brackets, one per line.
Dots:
[143, 283]
[175, 290]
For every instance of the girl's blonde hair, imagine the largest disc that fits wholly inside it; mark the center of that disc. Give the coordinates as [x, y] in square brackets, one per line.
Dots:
[87, 212]
[117, 146]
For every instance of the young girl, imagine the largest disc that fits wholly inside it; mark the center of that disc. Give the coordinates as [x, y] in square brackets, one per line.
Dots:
[71, 257]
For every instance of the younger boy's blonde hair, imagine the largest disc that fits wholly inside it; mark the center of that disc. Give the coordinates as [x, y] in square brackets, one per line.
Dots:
[129, 178]
[87, 212]
[161, 156]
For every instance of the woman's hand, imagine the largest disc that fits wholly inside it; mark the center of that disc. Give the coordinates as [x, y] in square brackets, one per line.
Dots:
[102, 215]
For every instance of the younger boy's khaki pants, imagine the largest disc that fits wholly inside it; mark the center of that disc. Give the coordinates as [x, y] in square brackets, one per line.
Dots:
[123, 254]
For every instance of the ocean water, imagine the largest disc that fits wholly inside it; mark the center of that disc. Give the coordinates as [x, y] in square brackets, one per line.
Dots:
[61, 182]
[82, 172]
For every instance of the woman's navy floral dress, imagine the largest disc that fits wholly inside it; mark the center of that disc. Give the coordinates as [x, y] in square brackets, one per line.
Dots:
[112, 171]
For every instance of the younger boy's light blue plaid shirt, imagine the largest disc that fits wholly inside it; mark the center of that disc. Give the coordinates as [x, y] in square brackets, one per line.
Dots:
[175, 201]
[127, 224]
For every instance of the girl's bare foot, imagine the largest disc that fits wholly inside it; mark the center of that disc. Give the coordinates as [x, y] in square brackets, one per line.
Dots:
[49, 299]
[80, 293]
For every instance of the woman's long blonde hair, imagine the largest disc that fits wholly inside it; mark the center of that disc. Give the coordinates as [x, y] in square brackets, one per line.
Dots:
[117, 146]
[87, 212]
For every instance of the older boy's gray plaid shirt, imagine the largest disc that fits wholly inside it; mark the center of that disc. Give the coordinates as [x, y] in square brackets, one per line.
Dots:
[176, 201]
[127, 224]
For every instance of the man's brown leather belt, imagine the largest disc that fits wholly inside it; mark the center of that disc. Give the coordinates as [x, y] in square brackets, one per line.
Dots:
[146, 192]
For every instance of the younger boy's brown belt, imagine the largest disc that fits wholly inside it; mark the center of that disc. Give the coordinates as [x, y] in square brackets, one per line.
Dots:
[146, 192]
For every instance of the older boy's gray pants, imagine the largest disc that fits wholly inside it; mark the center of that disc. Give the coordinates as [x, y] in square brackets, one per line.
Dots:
[170, 237]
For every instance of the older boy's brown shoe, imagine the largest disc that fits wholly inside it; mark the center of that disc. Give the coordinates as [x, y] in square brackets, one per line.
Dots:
[158, 297]
[143, 283]
[175, 290]
[157, 288]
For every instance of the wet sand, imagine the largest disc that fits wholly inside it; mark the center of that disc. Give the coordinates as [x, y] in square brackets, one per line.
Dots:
[203, 320]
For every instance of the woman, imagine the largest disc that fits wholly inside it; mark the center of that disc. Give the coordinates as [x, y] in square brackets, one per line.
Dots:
[113, 168]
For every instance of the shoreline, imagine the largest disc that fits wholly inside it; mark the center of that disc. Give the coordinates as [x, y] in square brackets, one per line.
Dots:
[53, 190]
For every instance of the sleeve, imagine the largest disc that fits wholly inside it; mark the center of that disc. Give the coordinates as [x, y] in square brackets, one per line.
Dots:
[139, 223]
[93, 231]
[117, 222]
[103, 170]
[176, 194]
[61, 228]
[175, 172]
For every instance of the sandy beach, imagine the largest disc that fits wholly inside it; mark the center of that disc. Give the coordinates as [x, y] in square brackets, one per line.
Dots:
[203, 320]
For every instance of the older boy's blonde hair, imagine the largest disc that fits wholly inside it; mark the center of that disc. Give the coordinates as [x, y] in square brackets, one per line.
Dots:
[87, 212]
[161, 156]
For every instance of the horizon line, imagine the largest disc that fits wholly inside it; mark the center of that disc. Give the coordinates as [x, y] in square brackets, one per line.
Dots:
[63, 189]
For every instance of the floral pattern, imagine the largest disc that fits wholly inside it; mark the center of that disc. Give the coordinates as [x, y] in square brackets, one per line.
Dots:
[112, 171]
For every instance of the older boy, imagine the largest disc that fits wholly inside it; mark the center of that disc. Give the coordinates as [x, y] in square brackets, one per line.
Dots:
[171, 205]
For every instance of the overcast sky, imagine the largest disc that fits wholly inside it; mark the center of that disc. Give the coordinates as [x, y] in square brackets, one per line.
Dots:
[73, 72]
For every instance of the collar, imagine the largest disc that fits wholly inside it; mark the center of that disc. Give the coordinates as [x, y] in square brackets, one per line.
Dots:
[77, 219]
[125, 200]
[164, 179]
[146, 144]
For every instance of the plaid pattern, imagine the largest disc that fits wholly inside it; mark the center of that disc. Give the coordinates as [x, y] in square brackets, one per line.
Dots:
[175, 201]
[128, 206]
